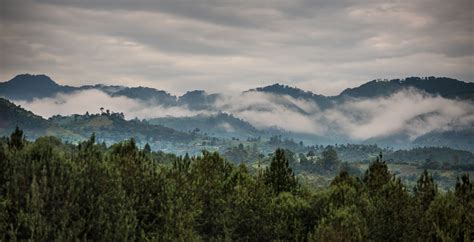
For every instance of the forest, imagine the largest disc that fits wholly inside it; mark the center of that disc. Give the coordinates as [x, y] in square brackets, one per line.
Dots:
[58, 191]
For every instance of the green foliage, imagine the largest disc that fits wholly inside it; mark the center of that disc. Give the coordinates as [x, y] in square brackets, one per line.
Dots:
[17, 139]
[425, 190]
[329, 160]
[377, 176]
[279, 176]
[444, 219]
[54, 191]
[341, 224]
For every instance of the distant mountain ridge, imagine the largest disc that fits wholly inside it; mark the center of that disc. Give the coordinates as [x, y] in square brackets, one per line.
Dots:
[443, 86]
[28, 87]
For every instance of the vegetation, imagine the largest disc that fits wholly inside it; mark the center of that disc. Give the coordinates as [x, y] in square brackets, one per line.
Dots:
[55, 191]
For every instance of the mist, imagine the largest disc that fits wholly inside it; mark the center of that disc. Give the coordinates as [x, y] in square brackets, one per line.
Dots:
[409, 112]
[92, 100]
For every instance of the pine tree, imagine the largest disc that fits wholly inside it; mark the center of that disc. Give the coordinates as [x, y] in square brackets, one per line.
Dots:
[17, 139]
[377, 175]
[279, 176]
[147, 149]
[425, 190]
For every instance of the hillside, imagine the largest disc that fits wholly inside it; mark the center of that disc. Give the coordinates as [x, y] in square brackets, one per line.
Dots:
[108, 127]
[12, 115]
[111, 127]
[219, 125]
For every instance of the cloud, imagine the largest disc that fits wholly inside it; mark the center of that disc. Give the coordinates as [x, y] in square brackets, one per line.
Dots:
[408, 112]
[92, 100]
[223, 46]
[267, 110]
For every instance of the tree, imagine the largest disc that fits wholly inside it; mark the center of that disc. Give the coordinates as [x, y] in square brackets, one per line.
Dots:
[425, 190]
[341, 224]
[391, 217]
[463, 189]
[329, 159]
[17, 140]
[377, 175]
[211, 183]
[344, 178]
[279, 176]
[444, 218]
[465, 196]
[147, 149]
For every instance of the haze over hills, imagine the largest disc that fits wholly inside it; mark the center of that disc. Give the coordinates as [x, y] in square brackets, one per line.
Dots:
[109, 127]
[399, 113]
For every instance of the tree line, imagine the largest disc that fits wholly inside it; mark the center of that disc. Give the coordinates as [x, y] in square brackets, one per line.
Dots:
[55, 191]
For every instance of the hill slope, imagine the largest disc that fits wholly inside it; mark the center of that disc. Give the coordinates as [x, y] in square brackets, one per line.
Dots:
[113, 127]
[219, 125]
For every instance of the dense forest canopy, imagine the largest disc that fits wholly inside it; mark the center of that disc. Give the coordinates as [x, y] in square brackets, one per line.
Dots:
[50, 190]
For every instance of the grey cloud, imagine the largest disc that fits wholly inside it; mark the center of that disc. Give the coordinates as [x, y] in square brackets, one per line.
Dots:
[222, 45]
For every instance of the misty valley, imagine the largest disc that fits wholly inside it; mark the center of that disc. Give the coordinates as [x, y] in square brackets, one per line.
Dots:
[388, 160]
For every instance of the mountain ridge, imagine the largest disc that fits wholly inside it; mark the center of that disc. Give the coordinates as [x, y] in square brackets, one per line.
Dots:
[28, 87]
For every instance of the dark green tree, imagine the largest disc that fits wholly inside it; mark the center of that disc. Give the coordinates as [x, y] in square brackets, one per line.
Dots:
[465, 196]
[211, 181]
[377, 175]
[329, 160]
[425, 190]
[279, 176]
[147, 149]
[341, 224]
[17, 139]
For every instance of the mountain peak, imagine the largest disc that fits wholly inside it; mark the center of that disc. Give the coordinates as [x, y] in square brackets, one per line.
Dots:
[278, 88]
[28, 87]
[28, 79]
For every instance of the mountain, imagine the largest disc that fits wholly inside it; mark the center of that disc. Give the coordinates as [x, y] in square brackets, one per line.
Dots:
[220, 125]
[457, 139]
[35, 126]
[28, 87]
[301, 111]
[278, 89]
[112, 127]
[198, 100]
[443, 86]
[147, 94]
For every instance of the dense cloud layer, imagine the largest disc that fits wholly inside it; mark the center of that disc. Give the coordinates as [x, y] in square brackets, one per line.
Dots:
[407, 112]
[92, 100]
[175, 45]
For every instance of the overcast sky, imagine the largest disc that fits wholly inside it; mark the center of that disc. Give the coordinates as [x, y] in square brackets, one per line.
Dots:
[224, 46]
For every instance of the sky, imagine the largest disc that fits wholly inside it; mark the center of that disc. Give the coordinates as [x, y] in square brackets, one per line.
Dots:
[227, 46]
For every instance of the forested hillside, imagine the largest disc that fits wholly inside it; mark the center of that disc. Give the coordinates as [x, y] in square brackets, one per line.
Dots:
[442, 106]
[50, 190]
